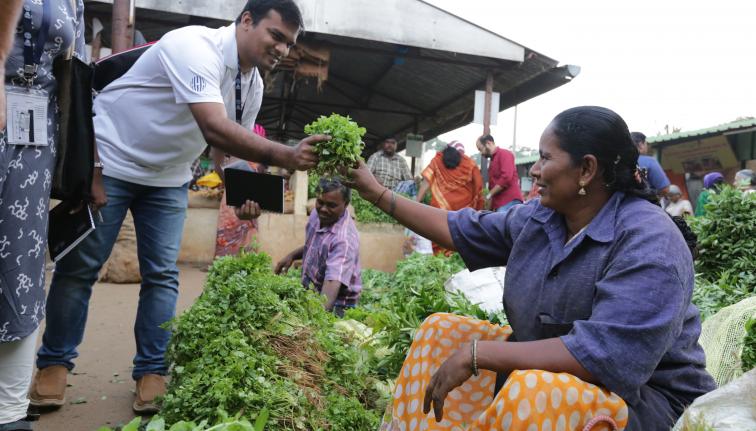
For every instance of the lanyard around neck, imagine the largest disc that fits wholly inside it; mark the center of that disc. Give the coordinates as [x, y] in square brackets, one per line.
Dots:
[33, 50]
[237, 86]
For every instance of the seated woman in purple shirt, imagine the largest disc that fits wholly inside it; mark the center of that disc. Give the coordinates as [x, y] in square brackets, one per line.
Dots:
[598, 292]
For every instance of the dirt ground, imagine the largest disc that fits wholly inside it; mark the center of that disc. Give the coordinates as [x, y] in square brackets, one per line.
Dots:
[101, 389]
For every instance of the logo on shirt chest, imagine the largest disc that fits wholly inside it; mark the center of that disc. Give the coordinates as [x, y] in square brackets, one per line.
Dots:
[198, 83]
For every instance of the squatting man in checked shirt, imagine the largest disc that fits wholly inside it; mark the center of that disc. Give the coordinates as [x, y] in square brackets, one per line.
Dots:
[331, 252]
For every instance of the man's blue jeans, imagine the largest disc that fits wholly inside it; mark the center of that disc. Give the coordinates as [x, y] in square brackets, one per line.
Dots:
[159, 214]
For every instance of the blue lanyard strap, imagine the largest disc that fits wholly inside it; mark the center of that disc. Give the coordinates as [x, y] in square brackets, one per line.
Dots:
[33, 50]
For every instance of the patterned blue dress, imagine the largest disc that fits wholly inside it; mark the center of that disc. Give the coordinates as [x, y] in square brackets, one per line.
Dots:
[26, 175]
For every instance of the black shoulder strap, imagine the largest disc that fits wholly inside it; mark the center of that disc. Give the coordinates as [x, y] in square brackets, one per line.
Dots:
[110, 68]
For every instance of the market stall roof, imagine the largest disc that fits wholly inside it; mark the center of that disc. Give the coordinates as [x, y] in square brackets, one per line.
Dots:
[396, 67]
[747, 125]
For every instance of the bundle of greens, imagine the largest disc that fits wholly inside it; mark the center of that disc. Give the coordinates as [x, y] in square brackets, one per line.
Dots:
[157, 423]
[254, 340]
[394, 305]
[726, 265]
[344, 148]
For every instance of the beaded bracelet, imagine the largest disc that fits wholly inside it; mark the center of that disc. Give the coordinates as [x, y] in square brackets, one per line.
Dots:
[475, 370]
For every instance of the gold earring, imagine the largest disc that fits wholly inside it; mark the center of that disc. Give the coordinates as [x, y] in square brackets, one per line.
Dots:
[582, 192]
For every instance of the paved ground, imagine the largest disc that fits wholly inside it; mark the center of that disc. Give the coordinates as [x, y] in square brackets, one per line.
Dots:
[101, 390]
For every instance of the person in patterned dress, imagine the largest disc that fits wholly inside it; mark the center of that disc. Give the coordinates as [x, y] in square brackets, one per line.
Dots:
[25, 181]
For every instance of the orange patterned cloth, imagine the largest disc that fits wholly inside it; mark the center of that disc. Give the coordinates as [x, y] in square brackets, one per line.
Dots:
[530, 400]
[233, 235]
[454, 189]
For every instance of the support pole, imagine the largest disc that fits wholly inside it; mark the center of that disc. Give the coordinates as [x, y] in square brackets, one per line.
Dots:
[122, 36]
[487, 104]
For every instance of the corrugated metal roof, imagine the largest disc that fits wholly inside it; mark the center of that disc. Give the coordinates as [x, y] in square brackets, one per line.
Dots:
[527, 160]
[701, 133]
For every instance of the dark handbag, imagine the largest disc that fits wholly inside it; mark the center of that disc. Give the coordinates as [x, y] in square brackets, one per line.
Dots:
[74, 164]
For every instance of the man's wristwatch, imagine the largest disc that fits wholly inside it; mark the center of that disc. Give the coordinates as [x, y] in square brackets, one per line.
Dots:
[98, 165]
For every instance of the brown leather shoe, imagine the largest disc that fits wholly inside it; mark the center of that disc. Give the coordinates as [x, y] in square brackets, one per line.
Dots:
[148, 387]
[49, 387]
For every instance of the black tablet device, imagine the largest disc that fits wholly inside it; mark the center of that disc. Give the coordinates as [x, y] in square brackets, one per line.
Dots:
[265, 189]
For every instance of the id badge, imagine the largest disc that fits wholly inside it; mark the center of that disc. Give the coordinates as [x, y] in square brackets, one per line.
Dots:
[26, 116]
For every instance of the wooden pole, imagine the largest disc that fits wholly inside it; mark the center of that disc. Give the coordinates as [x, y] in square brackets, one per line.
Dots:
[122, 36]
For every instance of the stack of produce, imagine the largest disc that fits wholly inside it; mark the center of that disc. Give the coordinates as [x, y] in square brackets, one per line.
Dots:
[255, 340]
[394, 305]
[726, 265]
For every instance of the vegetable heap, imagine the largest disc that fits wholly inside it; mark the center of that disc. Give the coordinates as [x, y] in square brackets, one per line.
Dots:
[726, 265]
[394, 305]
[254, 340]
[258, 347]
[344, 148]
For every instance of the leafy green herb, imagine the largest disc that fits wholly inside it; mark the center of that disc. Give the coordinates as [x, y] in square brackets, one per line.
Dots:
[254, 340]
[726, 265]
[344, 148]
[394, 305]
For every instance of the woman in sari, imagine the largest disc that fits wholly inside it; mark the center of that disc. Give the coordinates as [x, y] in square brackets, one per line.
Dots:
[233, 234]
[602, 334]
[454, 182]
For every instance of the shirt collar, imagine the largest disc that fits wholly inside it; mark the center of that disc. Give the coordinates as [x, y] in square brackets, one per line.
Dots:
[230, 51]
[600, 229]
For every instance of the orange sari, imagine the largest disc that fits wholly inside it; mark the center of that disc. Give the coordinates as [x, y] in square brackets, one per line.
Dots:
[454, 189]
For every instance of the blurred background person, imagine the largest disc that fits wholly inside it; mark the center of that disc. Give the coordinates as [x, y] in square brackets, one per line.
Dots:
[677, 206]
[454, 181]
[711, 182]
[745, 181]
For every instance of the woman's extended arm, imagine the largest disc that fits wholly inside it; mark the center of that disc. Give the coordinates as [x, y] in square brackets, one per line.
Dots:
[424, 220]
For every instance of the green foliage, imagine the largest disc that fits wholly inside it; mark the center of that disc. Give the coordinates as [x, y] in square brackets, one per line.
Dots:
[726, 264]
[366, 212]
[344, 148]
[254, 340]
[748, 355]
[157, 423]
[394, 305]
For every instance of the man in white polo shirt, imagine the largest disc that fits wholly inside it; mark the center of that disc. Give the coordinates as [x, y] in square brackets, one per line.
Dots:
[196, 86]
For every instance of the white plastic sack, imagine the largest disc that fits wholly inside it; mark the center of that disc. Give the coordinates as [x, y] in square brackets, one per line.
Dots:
[729, 408]
[484, 287]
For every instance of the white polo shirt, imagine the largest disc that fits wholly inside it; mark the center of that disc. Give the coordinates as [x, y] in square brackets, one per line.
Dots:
[145, 132]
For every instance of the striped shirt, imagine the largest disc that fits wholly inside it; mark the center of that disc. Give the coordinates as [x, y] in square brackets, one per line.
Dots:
[333, 253]
[389, 171]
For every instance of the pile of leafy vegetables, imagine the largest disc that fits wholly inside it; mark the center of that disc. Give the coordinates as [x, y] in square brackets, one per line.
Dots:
[254, 340]
[366, 212]
[394, 305]
[258, 346]
[726, 265]
[344, 148]
[157, 423]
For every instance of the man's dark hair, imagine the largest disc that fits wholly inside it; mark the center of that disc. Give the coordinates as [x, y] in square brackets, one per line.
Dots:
[327, 185]
[485, 138]
[390, 138]
[259, 9]
[638, 138]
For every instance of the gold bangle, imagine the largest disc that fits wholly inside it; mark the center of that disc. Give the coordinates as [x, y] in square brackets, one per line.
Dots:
[475, 370]
[380, 196]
